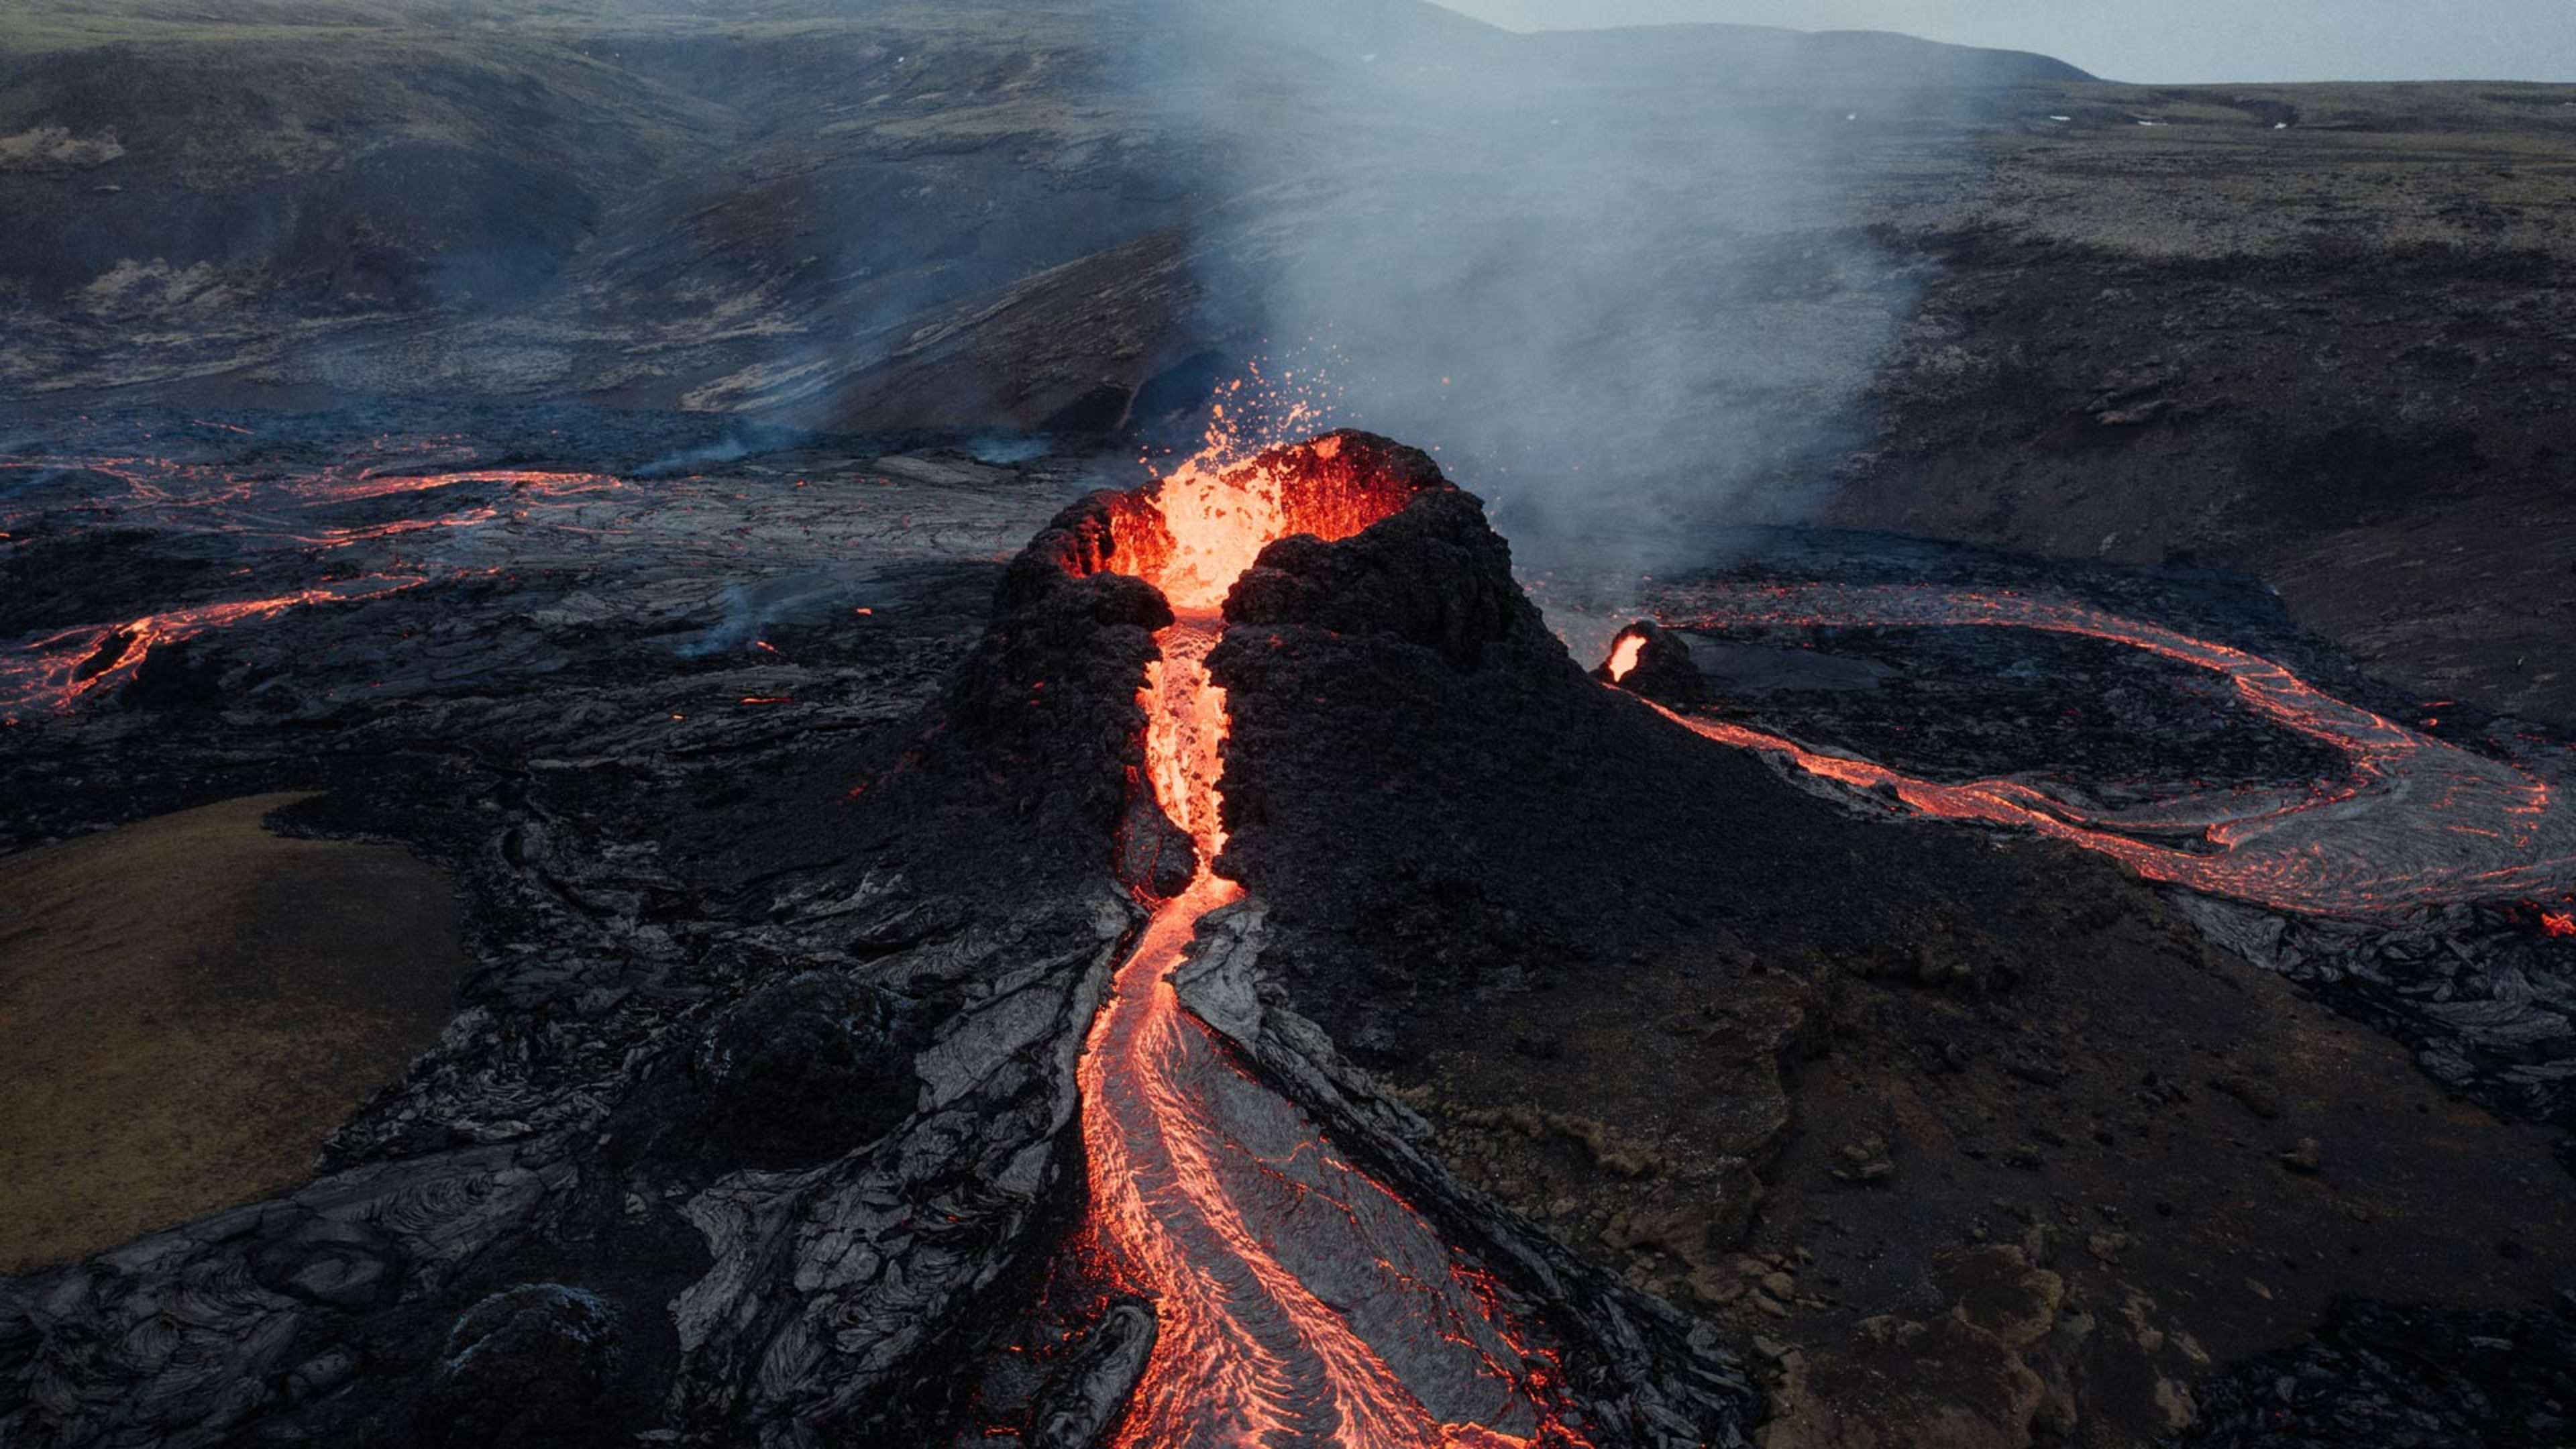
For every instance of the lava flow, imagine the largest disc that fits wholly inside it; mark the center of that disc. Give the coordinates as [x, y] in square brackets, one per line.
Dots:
[1300, 1302]
[2417, 821]
[55, 671]
[256, 516]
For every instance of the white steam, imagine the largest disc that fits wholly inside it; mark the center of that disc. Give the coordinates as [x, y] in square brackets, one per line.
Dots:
[1618, 282]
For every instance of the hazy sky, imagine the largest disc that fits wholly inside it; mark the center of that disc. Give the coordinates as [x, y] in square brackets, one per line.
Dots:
[2168, 41]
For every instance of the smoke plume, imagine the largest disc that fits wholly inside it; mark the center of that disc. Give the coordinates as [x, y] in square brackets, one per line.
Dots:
[1618, 281]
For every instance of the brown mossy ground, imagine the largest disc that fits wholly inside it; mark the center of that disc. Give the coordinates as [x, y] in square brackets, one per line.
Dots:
[188, 1006]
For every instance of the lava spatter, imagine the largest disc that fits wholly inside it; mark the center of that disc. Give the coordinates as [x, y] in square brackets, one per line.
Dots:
[1301, 1302]
[2415, 820]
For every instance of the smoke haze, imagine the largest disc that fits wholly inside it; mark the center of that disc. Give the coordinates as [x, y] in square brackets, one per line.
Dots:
[2177, 42]
[1619, 281]
[1619, 286]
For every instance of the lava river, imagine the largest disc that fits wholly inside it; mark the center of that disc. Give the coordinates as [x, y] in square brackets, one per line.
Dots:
[261, 518]
[2415, 820]
[1300, 1301]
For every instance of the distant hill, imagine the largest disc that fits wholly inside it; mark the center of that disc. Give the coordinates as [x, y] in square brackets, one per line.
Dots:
[1757, 54]
[747, 204]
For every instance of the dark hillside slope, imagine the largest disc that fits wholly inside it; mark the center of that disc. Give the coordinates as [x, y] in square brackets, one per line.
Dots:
[2319, 333]
[728, 206]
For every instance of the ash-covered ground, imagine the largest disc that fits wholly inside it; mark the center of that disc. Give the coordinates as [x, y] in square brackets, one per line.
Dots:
[789, 818]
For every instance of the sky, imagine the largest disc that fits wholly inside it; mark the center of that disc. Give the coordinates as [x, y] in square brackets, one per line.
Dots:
[2156, 41]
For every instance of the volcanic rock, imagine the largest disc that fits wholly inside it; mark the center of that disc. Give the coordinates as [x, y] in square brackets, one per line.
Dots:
[1433, 576]
[2302, 1158]
[804, 1069]
[1516, 942]
[2380, 1374]
[338, 1264]
[1081, 1403]
[1581, 867]
[1038, 735]
[524, 1369]
[768, 1061]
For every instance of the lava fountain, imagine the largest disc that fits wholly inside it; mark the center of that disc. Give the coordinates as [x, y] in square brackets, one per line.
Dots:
[1300, 1301]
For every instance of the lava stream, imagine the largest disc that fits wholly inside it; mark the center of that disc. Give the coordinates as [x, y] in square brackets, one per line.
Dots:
[256, 516]
[2419, 821]
[55, 671]
[1301, 1303]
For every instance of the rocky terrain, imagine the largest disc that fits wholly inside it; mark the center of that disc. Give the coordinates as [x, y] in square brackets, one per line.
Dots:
[1988, 1143]
[2317, 333]
[1962, 1172]
[2303, 331]
[795, 208]
[634, 470]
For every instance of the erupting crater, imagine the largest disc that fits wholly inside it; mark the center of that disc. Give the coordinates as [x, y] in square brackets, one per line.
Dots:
[1300, 1300]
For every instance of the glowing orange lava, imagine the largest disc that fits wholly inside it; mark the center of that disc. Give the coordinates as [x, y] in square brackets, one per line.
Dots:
[1283, 1276]
[54, 672]
[2418, 821]
[2558, 923]
[1623, 654]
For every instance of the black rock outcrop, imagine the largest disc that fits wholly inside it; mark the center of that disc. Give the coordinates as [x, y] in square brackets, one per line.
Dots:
[524, 1369]
[1662, 669]
[803, 1070]
[2381, 1374]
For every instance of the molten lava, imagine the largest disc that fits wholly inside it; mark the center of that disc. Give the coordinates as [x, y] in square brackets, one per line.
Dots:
[1289, 1284]
[2419, 821]
[54, 671]
[1220, 518]
[1623, 655]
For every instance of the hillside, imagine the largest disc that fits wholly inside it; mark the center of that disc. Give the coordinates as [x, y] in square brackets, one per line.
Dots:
[2319, 333]
[729, 206]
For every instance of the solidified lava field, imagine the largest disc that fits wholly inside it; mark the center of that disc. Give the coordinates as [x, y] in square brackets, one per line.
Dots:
[976, 946]
[1201, 724]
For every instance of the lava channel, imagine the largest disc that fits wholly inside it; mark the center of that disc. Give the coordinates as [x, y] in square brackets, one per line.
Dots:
[1300, 1301]
[2417, 821]
[255, 515]
[54, 672]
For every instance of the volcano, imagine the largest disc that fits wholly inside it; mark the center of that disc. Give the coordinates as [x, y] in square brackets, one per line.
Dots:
[706, 745]
[1297, 1296]
[1263, 988]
